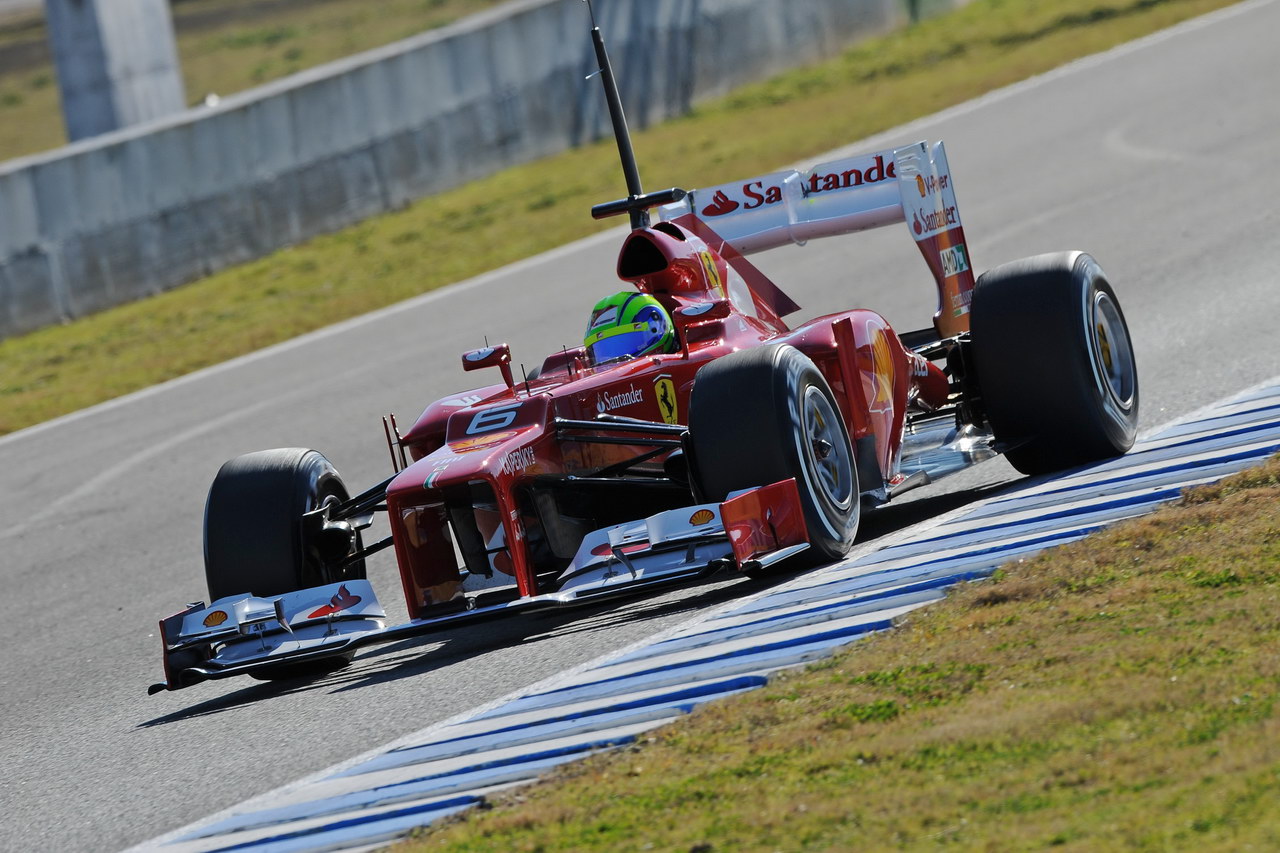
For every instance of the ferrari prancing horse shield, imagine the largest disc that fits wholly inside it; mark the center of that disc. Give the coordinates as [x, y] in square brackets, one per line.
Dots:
[664, 390]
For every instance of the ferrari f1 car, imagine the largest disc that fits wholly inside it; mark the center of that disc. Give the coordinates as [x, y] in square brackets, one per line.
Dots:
[743, 444]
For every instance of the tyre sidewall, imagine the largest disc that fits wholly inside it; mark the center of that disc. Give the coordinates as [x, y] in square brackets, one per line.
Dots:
[832, 522]
[746, 423]
[1116, 419]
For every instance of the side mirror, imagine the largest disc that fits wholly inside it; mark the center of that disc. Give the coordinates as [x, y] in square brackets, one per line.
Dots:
[499, 356]
[696, 313]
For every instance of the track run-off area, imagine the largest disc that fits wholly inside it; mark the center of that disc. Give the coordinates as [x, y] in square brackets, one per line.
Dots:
[611, 702]
[1157, 158]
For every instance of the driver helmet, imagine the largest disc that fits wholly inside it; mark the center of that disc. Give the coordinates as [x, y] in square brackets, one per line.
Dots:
[627, 325]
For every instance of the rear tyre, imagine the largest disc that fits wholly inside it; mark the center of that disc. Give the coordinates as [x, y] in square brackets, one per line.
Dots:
[1054, 362]
[762, 415]
[254, 541]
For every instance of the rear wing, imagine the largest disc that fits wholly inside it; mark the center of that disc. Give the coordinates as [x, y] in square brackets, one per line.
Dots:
[910, 184]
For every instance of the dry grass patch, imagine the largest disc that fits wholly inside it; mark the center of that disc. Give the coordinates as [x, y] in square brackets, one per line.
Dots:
[1118, 693]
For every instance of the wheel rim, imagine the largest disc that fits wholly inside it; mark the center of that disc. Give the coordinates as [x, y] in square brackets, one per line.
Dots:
[827, 453]
[1110, 352]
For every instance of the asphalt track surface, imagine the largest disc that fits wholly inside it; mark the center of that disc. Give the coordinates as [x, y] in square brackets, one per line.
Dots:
[1157, 158]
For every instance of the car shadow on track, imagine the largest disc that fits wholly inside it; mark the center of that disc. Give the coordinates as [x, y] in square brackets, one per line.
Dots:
[430, 652]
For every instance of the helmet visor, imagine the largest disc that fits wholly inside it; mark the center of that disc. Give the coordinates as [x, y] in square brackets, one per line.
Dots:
[623, 342]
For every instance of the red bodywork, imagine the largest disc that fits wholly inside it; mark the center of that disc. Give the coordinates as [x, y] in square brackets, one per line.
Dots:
[479, 460]
[756, 529]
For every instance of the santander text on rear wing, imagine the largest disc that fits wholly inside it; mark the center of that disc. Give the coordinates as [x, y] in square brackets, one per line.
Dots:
[911, 184]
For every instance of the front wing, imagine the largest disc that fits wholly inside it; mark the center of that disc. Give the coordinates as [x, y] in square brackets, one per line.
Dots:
[255, 634]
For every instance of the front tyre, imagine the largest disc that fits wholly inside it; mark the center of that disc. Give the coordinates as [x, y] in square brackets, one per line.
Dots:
[1054, 362]
[254, 540]
[762, 415]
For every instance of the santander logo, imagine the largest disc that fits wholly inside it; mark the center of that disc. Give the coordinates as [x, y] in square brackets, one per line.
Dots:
[755, 193]
[607, 402]
[341, 600]
[720, 205]
[937, 220]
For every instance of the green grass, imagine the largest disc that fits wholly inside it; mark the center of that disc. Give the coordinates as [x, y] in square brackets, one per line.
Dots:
[522, 211]
[1096, 697]
[224, 46]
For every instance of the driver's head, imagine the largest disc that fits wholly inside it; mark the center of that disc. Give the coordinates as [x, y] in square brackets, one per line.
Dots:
[628, 324]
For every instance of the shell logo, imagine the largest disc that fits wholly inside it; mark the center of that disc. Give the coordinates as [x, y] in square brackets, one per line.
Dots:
[712, 274]
[701, 517]
[215, 618]
[881, 370]
[467, 445]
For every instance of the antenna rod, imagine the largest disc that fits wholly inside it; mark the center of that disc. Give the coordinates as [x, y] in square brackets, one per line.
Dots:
[639, 218]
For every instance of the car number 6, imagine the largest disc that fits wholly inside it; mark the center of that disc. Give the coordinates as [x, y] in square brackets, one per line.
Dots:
[491, 419]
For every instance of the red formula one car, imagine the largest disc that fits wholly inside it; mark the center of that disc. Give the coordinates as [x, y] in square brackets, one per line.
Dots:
[734, 444]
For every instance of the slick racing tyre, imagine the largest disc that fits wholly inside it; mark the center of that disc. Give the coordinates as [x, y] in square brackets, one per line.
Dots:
[762, 415]
[1054, 362]
[253, 534]
[254, 539]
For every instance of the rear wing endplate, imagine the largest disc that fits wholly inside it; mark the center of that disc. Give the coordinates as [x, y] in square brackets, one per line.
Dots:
[911, 184]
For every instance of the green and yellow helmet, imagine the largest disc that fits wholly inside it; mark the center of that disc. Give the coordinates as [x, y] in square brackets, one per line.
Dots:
[627, 325]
